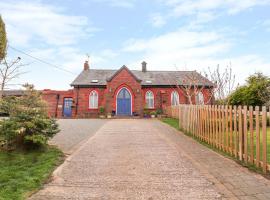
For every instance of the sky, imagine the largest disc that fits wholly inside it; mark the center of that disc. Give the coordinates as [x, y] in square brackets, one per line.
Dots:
[167, 34]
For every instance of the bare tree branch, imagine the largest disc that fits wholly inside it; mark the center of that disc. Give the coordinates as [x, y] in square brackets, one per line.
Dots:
[9, 70]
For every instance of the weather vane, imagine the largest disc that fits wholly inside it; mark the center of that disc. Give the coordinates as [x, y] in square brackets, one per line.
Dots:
[88, 57]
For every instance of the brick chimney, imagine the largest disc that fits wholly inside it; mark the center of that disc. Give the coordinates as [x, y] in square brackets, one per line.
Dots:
[144, 66]
[86, 66]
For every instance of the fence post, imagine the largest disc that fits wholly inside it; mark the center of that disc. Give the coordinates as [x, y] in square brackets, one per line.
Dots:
[240, 128]
[217, 126]
[235, 131]
[264, 139]
[231, 131]
[226, 129]
[258, 152]
[251, 130]
[245, 135]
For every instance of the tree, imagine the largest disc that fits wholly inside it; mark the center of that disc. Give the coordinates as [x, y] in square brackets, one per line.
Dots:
[3, 39]
[8, 72]
[224, 83]
[256, 91]
[28, 124]
[193, 84]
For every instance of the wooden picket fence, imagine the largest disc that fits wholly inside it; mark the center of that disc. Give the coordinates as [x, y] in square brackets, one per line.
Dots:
[239, 131]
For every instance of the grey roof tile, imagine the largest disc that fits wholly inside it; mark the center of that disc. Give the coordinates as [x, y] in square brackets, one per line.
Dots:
[148, 78]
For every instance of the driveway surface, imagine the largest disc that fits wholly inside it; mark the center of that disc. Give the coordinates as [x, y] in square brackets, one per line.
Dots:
[146, 159]
[74, 132]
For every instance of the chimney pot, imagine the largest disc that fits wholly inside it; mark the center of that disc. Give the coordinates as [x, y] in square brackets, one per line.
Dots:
[144, 69]
[86, 65]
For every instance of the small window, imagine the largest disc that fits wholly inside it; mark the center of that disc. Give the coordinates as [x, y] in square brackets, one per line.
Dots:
[174, 98]
[200, 98]
[93, 100]
[149, 82]
[149, 98]
[94, 81]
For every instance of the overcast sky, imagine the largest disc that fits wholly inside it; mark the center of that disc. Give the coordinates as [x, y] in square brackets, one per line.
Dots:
[167, 34]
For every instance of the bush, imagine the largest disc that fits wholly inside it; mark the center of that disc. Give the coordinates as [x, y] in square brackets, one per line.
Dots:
[153, 113]
[28, 125]
[255, 92]
[159, 111]
[101, 110]
[146, 112]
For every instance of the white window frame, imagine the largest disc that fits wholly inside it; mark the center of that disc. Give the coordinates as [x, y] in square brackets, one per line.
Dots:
[172, 97]
[200, 99]
[152, 97]
[93, 105]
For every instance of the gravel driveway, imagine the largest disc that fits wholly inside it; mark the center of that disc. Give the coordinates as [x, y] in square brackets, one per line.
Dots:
[74, 132]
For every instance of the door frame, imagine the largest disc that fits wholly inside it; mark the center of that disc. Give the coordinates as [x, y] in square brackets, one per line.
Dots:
[131, 98]
[64, 107]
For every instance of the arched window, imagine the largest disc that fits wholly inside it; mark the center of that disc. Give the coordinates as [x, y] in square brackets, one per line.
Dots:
[149, 98]
[174, 98]
[200, 98]
[93, 100]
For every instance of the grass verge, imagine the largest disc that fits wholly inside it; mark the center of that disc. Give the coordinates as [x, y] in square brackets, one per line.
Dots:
[22, 173]
[175, 124]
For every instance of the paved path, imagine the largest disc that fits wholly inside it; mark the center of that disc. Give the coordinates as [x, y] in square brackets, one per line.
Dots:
[146, 159]
[74, 132]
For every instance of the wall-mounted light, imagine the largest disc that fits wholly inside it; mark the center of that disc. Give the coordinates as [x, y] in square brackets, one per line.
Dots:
[110, 90]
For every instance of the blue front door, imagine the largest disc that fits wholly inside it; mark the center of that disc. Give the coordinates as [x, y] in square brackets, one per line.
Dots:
[67, 110]
[124, 102]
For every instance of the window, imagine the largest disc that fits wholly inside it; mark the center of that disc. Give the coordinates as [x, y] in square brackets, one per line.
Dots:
[200, 98]
[149, 98]
[174, 98]
[93, 100]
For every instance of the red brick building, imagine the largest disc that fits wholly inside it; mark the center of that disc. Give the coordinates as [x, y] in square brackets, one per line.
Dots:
[123, 92]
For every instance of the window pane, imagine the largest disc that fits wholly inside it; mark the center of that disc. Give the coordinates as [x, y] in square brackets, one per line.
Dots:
[200, 98]
[175, 98]
[93, 100]
[149, 98]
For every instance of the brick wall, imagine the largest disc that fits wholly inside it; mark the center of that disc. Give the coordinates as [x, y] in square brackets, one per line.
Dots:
[124, 79]
[107, 97]
[55, 101]
[81, 102]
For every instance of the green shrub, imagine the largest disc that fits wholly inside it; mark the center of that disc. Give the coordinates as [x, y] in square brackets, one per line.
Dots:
[255, 92]
[153, 113]
[159, 111]
[146, 112]
[28, 125]
[101, 110]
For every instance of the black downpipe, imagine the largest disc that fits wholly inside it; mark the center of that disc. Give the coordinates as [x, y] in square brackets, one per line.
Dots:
[57, 102]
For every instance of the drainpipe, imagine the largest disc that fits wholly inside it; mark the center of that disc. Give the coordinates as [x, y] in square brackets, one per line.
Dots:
[57, 102]
[77, 102]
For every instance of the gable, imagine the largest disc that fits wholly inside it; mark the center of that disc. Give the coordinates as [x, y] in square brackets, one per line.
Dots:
[124, 73]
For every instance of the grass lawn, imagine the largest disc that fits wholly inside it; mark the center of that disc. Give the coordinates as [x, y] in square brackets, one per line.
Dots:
[172, 122]
[22, 173]
[254, 141]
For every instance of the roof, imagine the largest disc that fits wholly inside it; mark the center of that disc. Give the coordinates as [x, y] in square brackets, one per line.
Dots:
[13, 92]
[99, 77]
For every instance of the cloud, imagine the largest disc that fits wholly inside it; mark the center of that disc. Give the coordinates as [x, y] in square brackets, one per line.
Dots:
[118, 3]
[183, 8]
[157, 20]
[193, 50]
[41, 23]
[207, 10]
